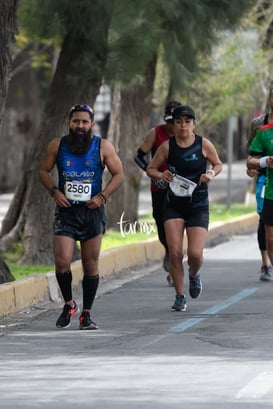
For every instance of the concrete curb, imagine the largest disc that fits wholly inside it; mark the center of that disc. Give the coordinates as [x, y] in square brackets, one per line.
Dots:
[17, 295]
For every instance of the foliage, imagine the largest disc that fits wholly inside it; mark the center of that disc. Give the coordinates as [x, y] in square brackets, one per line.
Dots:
[193, 71]
[132, 40]
[54, 19]
[183, 31]
[233, 81]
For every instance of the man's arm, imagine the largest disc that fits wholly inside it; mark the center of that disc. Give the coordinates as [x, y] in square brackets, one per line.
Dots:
[114, 166]
[48, 163]
[253, 161]
[46, 166]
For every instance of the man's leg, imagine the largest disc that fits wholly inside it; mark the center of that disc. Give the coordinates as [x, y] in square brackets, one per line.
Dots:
[90, 250]
[63, 250]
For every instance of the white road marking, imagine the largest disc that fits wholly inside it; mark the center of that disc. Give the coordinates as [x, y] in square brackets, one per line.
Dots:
[257, 387]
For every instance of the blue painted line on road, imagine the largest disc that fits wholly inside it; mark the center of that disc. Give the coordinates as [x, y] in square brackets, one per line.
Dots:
[183, 326]
[213, 310]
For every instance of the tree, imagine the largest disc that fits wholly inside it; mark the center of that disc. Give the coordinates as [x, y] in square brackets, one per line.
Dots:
[138, 30]
[8, 29]
[179, 44]
[24, 104]
[77, 79]
[130, 120]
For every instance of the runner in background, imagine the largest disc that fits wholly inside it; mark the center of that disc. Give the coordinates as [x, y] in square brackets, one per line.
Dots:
[153, 139]
[265, 273]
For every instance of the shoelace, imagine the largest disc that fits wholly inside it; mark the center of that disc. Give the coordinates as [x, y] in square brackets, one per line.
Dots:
[195, 281]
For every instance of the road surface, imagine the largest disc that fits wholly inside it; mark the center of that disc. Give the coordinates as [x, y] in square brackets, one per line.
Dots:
[216, 355]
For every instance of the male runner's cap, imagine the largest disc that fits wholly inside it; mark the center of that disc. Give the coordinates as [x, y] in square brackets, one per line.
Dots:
[81, 108]
[169, 110]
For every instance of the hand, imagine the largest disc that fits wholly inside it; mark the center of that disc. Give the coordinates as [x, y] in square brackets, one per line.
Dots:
[251, 172]
[206, 178]
[94, 202]
[167, 176]
[270, 162]
[60, 199]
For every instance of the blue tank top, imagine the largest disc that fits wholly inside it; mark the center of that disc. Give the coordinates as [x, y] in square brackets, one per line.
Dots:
[80, 176]
[190, 163]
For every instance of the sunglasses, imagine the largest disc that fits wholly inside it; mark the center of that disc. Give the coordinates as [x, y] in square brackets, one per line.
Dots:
[81, 107]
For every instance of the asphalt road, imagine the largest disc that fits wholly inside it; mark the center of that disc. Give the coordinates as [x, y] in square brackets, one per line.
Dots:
[217, 354]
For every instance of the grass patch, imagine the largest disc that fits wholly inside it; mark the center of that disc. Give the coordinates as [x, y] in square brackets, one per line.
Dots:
[20, 271]
[220, 212]
[145, 229]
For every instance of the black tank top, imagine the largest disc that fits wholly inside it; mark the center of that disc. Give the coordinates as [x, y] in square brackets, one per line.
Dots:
[190, 163]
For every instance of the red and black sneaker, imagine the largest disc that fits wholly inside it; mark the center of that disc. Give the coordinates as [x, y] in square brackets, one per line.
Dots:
[86, 322]
[64, 320]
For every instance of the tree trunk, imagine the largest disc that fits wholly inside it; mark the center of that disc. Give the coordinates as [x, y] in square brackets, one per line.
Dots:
[5, 273]
[76, 80]
[24, 105]
[130, 120]
[8, 29]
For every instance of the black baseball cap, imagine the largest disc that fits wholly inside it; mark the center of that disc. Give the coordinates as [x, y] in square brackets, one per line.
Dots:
[169, 110]
[183, 110]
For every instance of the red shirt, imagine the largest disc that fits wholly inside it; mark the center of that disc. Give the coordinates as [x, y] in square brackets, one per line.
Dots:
[161, 136]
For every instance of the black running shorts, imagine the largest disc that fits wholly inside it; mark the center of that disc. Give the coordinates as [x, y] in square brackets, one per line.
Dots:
[79, 222]
[182, 208]
[267, 212]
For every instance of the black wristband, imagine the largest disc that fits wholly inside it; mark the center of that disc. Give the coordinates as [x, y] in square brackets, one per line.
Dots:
[52, 190]
[139, 159]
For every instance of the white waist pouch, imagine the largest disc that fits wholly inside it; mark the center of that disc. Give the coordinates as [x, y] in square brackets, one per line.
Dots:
[182, 187]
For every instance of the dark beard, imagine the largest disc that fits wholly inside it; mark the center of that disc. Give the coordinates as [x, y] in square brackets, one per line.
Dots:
[78, 143]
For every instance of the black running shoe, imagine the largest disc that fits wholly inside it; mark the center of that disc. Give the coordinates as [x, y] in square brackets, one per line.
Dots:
[64, 320]
[86, 321]
[195, 286]
[180, 303]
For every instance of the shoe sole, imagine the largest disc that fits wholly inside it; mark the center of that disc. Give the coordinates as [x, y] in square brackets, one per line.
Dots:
[179, 309]
[88, 328]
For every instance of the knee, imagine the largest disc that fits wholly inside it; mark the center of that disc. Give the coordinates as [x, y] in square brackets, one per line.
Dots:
[176, 256]
[62, 264]
[90, 267]
[195, 257]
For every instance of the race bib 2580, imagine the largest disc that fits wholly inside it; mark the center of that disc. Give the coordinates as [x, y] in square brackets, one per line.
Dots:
[78, 190]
